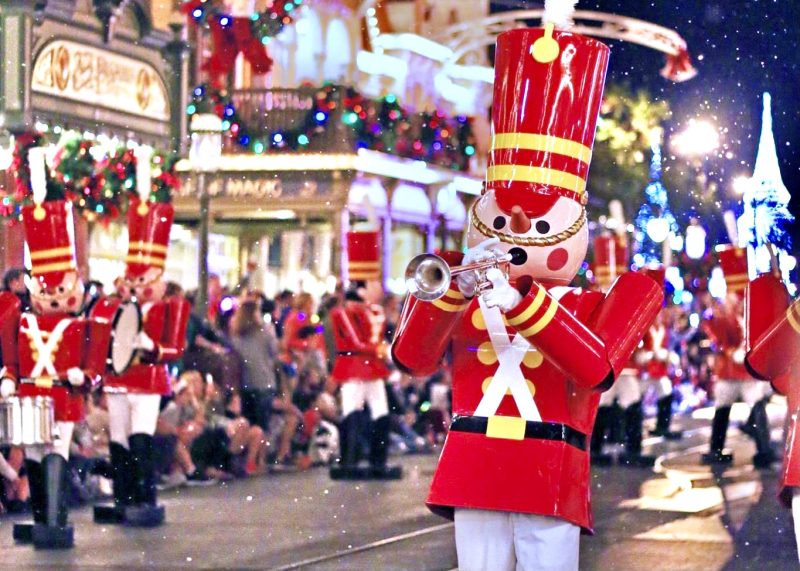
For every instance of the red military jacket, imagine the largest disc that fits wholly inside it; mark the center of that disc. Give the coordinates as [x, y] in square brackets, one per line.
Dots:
[726, 332]
[773, 332]
[165, 323]
[38, 350]
[357, 333]
[577, 342]
[656, 347]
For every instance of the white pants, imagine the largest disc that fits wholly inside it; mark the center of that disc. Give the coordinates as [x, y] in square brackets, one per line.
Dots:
[37, 452]
[728, 392]
[628, 389]
[355, 394]
[504, 541]
[131, 413]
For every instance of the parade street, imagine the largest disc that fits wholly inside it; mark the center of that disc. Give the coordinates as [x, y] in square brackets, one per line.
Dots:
[680, 516]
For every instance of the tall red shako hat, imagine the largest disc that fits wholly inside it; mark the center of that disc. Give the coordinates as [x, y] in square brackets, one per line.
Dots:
[610, 259]
[149, 224]
[49, 232]
[733, 261]
[548, 88]
[49, 228]
[363, 256]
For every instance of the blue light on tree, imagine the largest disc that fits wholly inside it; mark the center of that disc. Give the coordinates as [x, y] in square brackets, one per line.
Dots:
[764, 223]
[654, 221]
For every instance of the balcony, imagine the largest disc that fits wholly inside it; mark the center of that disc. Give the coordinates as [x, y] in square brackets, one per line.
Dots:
[338, 119]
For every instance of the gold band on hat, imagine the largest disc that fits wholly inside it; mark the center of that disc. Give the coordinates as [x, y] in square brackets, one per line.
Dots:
[54, 267]
[147, 247]
[156, 261]
[539, 142]
[537, 175]
[51, 253]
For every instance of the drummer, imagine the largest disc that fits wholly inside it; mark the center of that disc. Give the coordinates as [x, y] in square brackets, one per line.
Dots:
[134, 394]
[49, 353]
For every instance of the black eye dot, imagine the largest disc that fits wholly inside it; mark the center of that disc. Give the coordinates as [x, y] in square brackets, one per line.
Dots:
[499, 223]
[542, 227]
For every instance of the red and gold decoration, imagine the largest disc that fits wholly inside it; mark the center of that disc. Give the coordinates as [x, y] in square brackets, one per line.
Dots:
[97, 188]
[377, 124]
[233, 34]
[733, 261]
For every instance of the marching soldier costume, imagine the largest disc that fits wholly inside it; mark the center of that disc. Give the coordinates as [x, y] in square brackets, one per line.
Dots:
[51, 353]
[134, 396]
[530, 355]
[360, 367]
[726, 330]
[611, 261]
[773, 341]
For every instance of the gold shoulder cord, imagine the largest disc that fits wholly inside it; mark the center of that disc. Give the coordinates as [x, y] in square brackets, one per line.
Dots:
[528, 240]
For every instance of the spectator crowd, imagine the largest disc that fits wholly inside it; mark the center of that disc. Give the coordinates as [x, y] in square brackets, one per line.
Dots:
[252, 394]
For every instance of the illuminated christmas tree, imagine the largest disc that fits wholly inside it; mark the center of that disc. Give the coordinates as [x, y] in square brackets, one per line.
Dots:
[655, 222]
[764, 224]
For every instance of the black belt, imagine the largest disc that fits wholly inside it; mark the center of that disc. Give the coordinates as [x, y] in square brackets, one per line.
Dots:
[538, 430]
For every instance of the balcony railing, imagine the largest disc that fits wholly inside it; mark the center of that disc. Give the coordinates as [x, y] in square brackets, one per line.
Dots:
[268, 112]
[337, 119]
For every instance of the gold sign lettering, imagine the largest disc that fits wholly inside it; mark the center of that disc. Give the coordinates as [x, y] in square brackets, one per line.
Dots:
[98, 77]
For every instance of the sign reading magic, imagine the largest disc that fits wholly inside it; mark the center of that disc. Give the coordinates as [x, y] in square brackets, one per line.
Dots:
[101, 78]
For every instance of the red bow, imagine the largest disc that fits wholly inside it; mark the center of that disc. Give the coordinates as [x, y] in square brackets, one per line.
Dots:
[236, 35]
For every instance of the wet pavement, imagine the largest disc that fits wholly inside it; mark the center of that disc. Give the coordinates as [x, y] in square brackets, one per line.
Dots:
[677, 516]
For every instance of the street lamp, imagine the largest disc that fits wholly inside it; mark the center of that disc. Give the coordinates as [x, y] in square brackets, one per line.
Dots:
[204, 156]
[699, 139]
[695, 143]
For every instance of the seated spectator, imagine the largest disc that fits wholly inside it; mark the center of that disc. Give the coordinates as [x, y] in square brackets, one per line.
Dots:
[89, 454]
[179, 424]
[303, 342]
[247, 444]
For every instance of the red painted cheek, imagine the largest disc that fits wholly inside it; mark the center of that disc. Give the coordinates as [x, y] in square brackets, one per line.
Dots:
[557, 259]
[72, 301]
[148, 292]
[38, 306]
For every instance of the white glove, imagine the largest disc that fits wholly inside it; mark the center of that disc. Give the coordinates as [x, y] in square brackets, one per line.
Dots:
[75, 376]
[501, 295]
[7, 388]
[143, 341]
[662, 354]
[738, 356]
[468, 281]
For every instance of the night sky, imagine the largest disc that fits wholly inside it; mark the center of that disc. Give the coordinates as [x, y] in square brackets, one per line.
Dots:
[740, 48]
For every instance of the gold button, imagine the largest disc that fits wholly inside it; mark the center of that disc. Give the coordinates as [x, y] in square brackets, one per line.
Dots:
[533, 359]
[486, 354]
[477, 319]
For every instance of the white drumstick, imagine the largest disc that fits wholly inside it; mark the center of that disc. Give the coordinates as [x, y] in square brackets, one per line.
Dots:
[144, 180]
[38, 168]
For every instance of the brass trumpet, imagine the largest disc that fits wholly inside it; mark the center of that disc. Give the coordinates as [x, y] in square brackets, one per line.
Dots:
[428, 276]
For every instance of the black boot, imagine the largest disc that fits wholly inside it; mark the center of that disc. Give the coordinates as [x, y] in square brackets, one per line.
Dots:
[719, 429]
[764, 456]
[347, 466]
[23, 532]
[633, 456]
[54, 532]
[143, 511]
[616, 424]
[123, 478]
[599, 437]
[664, 419]
[379, 452]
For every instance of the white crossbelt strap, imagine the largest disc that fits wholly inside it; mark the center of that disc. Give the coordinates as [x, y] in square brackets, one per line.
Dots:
[45, 361]
[509, 373]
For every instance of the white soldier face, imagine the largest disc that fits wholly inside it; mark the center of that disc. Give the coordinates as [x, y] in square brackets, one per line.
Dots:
[555, 264]
[66, 297]
[149, 286]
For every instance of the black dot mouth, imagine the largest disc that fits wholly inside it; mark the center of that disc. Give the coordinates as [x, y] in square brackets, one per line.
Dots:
[518, 256]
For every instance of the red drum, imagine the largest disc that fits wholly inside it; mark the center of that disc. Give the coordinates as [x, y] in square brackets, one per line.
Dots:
[126, 323]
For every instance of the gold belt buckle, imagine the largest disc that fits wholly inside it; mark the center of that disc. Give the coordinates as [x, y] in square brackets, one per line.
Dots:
[43, 382]
[508, 427]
